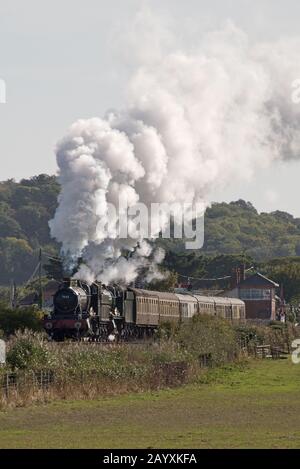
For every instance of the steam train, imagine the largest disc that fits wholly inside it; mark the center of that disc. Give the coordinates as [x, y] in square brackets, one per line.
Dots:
[107, 313]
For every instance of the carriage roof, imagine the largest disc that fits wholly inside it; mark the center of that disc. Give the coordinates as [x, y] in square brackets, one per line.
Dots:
[205, 299]
[219, 300]
[154, 294]
[186, 298]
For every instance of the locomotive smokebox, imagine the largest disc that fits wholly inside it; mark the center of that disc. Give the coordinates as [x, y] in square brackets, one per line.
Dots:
[71, 298]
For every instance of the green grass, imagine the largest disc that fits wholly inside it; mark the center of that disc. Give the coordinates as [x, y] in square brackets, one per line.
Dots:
[253, 407]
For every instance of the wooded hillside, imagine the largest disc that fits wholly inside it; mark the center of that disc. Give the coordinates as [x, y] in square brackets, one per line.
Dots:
[230, 229]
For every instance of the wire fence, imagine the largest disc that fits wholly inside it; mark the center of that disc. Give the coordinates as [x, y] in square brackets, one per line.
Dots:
[18, 381]
[13, 383]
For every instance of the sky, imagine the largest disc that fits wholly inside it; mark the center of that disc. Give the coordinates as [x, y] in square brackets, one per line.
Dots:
[64, 60]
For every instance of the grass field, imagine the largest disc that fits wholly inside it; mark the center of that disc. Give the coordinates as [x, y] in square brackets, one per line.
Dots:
[254, 407]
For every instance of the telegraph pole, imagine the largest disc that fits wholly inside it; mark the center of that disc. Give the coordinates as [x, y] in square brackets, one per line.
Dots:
[40, 281]
[12, 294]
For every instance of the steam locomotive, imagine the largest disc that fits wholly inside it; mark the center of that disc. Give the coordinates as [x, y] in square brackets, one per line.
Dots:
[107, 313]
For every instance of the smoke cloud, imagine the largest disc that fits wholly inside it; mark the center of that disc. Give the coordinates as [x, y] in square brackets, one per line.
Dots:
[193, 120]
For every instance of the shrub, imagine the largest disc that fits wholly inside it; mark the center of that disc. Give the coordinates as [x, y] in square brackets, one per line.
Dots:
[12, 320]
[208, 335]
[29, 350]
[250, 335]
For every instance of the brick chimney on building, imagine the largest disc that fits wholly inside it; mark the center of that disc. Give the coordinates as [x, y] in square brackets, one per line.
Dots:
[234, 281]
[237, 276]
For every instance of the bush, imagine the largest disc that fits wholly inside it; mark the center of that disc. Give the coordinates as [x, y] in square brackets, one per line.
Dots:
[275, 333]
[28, 350]
[12, 320]
[251, 335]
[208, 335]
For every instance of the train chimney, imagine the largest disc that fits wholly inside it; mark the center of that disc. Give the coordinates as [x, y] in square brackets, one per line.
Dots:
[69, 282]
[233, 280]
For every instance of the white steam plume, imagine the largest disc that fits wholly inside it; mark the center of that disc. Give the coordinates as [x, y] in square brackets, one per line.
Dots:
[192, 121]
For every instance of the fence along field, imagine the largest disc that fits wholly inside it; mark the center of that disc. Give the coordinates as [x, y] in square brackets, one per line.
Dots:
[37, 370]
[24, 386]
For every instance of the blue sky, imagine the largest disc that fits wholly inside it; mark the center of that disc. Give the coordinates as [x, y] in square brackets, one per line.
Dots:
[60, 62]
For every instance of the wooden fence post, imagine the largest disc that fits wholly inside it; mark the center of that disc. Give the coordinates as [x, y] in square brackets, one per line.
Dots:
[7, 385]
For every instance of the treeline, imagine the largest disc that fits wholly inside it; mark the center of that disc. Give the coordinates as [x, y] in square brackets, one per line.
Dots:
[25, 210]
[230, 229]
[237, 227]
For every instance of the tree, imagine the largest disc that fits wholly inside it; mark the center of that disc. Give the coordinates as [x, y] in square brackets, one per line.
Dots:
[287, 275]
[34, 221]
[166, 284]
[54, 269]
[12, 320]
[15, 254]
[9, 227]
